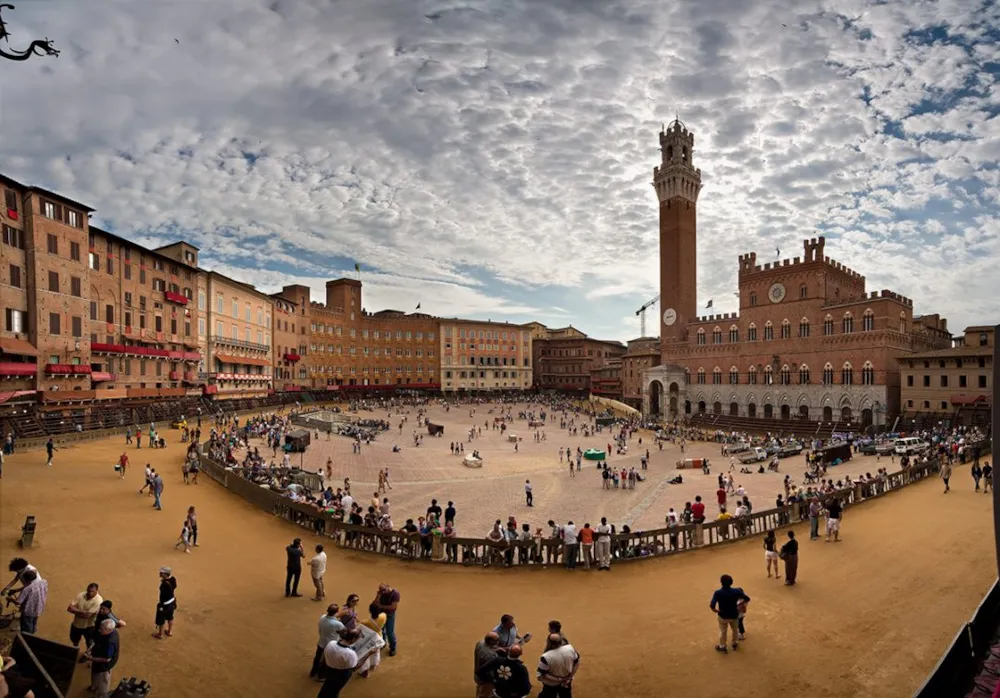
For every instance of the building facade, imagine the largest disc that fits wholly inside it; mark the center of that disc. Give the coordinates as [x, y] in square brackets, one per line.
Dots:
[945, 380]
[348, 348]
[641, 355]
[484, 355]
[238, 357]
[289, 333]
[809, 340]
[564, 357]
[606, 379]
[89, 315]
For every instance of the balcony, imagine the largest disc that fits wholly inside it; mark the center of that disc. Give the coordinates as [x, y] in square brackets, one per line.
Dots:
[241, 343]
[177, 298]
[192, 356]
[59, 369]
[190, 377]
[10, 369]
[136, 350]
[292, 358]
[103, 377]
[174, 375]
[99, 348]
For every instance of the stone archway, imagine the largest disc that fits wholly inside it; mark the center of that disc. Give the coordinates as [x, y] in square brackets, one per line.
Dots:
[701, 407]
[687, 407]
[734, 409]
[803, 411]
[656, 398]
[845, 414]
[786, 412]
[752, 410]
[866, 418]
[716, 407]
[768, 411]
[827, 414]
[675, 392]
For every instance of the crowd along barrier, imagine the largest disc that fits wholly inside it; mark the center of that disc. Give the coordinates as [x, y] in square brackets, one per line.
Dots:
[629, 547]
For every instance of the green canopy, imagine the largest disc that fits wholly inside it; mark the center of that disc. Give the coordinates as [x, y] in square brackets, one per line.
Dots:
[594, 454]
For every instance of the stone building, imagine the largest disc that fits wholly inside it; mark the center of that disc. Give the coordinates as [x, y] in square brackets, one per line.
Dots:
[957, 378]
[642, 354]
[347, 348]
[606, 379]
[809, 340]
[564, 357]
[484, 355]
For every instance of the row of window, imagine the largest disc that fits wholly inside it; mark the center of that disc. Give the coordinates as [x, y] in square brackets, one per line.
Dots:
[263, 318]
[485, 361]
[575, 352]
[482, 374]
[319, 328]
[785, 375]
[63, 214]
[486, 334]
[366, 351]
[963, 381]
[847, 327]
[263, 338]
[365, 370]
[483, 347]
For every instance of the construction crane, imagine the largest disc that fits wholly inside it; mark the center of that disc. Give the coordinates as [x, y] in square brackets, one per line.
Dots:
[641, 312]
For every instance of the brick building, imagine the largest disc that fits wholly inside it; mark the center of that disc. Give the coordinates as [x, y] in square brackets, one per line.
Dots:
[957, 378]
[606, 379]
[287, 349]
[809, 340]
[564, 357]
[89, 315]
[484, 355]
[348, 348]
[238, 359]
[641, 354]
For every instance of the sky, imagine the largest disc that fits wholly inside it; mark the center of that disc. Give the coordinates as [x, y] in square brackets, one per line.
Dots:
[493, 159]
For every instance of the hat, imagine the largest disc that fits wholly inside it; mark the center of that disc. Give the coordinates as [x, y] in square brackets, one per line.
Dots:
[165, 570]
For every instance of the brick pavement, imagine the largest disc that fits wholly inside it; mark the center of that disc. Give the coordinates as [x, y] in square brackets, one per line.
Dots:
[496, 490]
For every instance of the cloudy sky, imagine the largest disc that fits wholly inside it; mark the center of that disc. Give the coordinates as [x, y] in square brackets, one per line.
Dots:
[493, 158]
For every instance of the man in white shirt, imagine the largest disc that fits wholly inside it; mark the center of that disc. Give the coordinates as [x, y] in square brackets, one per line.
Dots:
[329, 631]
[571, 543]
[346, 502]
[603, 532]
[341, 661]
[556, 668]
[317, 568]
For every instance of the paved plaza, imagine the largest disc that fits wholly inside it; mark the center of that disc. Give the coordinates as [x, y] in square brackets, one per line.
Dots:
[496, 490]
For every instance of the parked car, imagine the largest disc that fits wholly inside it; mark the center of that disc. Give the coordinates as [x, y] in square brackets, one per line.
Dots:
[754, 455]
[909, 445]
[789, 450]
[741, 447]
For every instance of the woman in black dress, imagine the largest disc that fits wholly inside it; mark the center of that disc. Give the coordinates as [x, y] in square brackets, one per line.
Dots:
[167, 604]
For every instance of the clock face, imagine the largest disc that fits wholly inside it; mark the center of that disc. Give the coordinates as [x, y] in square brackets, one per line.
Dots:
[777, 293]
[669, 316]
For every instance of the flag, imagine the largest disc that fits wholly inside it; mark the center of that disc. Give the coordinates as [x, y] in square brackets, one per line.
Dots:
[709, 304]
[418, 306]
[357, 267]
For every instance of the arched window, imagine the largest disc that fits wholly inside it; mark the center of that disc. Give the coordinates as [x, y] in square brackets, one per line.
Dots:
[768, 331]
[716, 336]
[868, 321]
[701, 376]
[804, 327]
[734, 376]
[734, 334]
[768, 375]
[752, 375]
[716, 376]
[828, 374]
[828, 325]
[786, 375]
[803, 375]
[701, 335]
[786, 329]
[752, 333]
[902, 322]
[687, 376]
[847, 374]
[803, 291]
[868, 374]
[848, 323]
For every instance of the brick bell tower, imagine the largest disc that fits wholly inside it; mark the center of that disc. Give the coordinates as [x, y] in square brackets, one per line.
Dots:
[677, 183]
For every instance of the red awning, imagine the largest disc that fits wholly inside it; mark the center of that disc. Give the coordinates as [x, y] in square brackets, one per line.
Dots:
[14, 394]
[968, 399]
[241, 360]
[18, 347]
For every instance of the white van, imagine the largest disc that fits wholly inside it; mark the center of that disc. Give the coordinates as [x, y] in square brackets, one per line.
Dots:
[909, 446]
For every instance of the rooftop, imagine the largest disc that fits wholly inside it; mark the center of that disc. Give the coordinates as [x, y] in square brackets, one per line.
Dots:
[952, 352]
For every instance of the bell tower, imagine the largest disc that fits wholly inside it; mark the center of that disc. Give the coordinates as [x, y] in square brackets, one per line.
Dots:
[677, 183]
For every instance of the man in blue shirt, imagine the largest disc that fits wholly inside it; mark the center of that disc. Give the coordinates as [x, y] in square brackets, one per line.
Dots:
[725, 603]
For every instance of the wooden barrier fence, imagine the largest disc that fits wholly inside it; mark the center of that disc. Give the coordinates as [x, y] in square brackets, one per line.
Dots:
[478, 551]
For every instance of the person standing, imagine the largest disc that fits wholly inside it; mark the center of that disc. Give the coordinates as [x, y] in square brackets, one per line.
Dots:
[340, 661]
[771, 554]
[814, 511]
[192, 520]
[569, 537]
[486, 651]
[50, 448]
[293, 567]
[166, 605]
[834, 512]
[586, 536]
[84, 609]
[977, 474]
[31, 599]
[507, 634]
[556, 667]
[122, 465]
[527, 493]
[725, 604]
[946, 475]
[157, 487]
[317, 569]
[790, 554]
[508, 675]
[103, 656]
[987, 477]
[330, 628]
[449, 514]
[603, 545]
[386, 601]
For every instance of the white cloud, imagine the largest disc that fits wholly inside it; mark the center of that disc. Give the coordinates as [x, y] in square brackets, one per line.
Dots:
[495, 158]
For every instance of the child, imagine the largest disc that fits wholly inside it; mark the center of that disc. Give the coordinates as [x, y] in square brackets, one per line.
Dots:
[185, 538]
